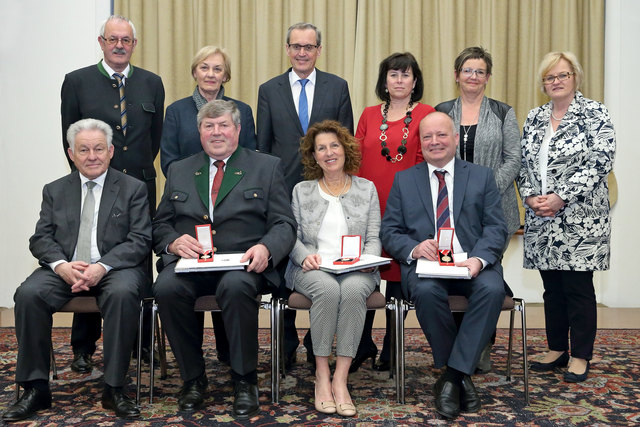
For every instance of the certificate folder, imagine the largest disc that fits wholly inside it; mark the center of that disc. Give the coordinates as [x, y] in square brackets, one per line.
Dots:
[432, 269]
[366, 261]
[221, 262]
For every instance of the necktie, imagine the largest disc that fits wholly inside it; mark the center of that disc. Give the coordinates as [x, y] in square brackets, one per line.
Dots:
[217, 180]
[442, 204]
[303, 107]
[83, 249]
[123, 102]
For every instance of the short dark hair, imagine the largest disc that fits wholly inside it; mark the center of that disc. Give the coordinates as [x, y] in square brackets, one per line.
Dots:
[352, 155]
[473, 52]
[399, 61]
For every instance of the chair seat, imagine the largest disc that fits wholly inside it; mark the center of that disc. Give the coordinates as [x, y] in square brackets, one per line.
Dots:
[83, 304]
[460, 303]
[297, 301]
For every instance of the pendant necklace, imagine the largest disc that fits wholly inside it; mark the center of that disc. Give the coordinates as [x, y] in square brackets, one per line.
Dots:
[330, 192]
[402, 148]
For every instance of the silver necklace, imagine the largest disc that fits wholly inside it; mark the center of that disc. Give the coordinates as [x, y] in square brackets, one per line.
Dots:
[557, 119]
[466, 132]
[329, 190]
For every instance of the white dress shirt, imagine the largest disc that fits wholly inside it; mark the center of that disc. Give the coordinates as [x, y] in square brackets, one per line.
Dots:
[296, 88]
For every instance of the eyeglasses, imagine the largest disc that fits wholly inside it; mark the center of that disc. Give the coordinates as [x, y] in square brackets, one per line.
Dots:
[561, 77]
[112, 41]
[468, 72]
[308, 47]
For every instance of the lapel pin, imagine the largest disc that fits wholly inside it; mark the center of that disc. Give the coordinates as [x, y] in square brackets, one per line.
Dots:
[198, 173]
[238, 172]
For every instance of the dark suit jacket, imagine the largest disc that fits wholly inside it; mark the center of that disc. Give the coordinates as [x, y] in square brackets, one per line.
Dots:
[90, 93]
[180, 135]
[279, 129]
[252, 207]
[124, 226]
[479, 222]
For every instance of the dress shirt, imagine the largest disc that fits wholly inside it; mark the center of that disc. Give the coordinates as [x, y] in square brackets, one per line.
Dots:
[124, 72]
[296, 88]
[213, 169]
[333, 227]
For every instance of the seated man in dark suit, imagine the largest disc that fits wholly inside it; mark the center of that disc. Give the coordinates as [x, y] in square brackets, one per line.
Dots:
[91, 247]
[242, 194]
[419, 195]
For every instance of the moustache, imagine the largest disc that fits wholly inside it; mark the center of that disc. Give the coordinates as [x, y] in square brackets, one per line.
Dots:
[119, 50]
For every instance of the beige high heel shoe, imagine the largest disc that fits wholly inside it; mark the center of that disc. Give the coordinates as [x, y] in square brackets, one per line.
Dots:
[346, 409]
[326, 407]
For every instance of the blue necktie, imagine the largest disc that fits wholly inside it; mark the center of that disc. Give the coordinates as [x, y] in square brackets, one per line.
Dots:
[303, 107]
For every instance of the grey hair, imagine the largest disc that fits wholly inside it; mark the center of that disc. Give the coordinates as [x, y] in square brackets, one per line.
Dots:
[305, 26]
[217, 108]
[118, 18]
[88, 124]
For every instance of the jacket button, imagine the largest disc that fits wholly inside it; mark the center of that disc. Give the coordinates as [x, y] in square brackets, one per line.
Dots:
[124, 171]
[213, 232]
[114, 85]
[205, 217]
[118, 127]
[116, 106]
[215, 249]
[125, 148]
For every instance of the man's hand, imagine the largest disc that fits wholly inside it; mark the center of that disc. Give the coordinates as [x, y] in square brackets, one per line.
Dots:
[473, 264]
[71, 272]
[311, 262]
[91, 277]
[259, 256]
[545, 206]
[426, 249]
[185, 246]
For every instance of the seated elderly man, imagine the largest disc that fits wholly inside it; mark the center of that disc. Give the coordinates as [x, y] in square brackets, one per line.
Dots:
[92, 237]
[243, 196]
[448, 192]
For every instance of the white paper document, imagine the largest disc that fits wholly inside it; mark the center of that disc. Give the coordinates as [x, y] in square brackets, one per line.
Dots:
[366, 261]
[221, 262]
[427, 269]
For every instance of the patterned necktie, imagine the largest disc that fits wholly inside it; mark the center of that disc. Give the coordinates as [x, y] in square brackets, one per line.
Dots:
[303, 107]
[217, 180]
[83, 249]
[123, 102]
[442, 204]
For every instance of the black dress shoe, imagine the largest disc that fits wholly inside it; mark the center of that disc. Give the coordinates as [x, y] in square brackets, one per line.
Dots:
[469, 399]
[571, 377]
[484, 362]
[245, 400]
[31, 401]
[116, 399]
[560, 362]
[82, 363]
[447, 398]
[361, 358]
[382, 366]
[191, 395]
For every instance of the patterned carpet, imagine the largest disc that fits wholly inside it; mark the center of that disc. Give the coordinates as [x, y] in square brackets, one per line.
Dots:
[611, 395]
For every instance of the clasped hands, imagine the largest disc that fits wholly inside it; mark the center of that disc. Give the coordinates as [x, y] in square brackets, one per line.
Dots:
[313, 261]
[187, 246]
[429, 249]
[80, 275]
[545, 205]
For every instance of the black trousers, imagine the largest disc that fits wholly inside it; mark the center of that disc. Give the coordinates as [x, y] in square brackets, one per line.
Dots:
[570, 311]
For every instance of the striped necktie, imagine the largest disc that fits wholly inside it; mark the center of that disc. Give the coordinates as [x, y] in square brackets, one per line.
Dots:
[123, 102]
[442, 204]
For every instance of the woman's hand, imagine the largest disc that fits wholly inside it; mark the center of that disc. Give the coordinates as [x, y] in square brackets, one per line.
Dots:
[545, 206]
[311, 262]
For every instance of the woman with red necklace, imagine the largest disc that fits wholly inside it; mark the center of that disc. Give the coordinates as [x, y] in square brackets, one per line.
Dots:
[390, 142]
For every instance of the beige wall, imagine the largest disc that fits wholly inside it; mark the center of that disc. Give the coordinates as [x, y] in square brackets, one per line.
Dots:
[41, 41]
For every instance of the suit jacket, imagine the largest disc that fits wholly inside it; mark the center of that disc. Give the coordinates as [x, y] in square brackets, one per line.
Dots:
[279, 128]
[361, 211]
[252, 207]
[91, 93]
[496, 145]
[124, 226]
[479, 223]
[180, 135]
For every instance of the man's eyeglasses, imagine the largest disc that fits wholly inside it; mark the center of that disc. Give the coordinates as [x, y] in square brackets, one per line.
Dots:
[561, 77]
[468, 72]
[112, 41]
[308, 47]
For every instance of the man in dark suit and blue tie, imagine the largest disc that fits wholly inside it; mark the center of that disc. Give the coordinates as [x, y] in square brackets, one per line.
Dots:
[472, 207]
[96, 247]
[242, 194]
[287, 105]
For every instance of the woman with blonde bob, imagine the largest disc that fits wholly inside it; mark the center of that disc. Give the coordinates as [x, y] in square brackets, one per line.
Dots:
[568, 147]
[333, 202]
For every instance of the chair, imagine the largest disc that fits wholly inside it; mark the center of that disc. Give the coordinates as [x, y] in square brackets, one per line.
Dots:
[459, 303]
[203, 304]
[89, 304]
[297, 301]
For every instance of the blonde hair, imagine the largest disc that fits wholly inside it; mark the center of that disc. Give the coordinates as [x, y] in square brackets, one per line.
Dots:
[551, 59]
[206, 52]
